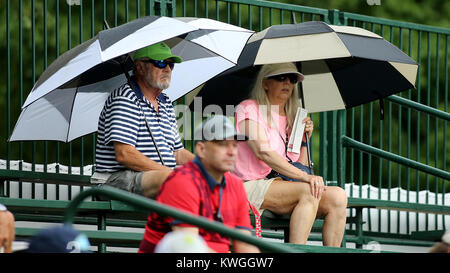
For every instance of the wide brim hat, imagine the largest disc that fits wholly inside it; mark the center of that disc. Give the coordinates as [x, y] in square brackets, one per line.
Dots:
[283, 68]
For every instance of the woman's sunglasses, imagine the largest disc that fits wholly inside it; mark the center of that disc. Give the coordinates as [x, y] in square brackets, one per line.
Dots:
[159, 64]
[293, 78]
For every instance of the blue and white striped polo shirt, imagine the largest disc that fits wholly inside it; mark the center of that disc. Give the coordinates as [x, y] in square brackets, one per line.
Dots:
[121, 120]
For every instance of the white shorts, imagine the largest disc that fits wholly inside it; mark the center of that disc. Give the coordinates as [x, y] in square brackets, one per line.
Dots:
[256, 191]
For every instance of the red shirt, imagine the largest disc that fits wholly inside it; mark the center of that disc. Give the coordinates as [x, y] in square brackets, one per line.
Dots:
[190, 188]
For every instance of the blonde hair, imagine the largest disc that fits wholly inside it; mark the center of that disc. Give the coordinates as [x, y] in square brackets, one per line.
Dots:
[259, 94]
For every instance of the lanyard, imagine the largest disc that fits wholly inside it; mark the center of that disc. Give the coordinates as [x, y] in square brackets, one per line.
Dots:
[218, 216]
[286, 141]
[135, 88]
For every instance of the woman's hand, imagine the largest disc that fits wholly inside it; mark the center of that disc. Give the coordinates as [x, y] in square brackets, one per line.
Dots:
[309, 127]
[317, 185]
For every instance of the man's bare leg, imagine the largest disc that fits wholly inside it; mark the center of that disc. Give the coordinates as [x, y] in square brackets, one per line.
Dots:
[152, 180]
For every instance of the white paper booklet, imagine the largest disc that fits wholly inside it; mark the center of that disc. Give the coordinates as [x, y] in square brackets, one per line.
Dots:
[295, 141]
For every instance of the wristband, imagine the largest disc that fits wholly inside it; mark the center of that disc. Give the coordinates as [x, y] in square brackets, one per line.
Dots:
[304, 144]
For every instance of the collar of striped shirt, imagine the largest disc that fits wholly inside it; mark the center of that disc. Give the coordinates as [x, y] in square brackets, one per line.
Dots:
[140, 95]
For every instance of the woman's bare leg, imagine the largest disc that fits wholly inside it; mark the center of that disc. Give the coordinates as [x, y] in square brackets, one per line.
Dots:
[332, 207]
[285, 197]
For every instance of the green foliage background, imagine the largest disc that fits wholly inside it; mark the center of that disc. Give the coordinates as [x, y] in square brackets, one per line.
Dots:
[427, 12]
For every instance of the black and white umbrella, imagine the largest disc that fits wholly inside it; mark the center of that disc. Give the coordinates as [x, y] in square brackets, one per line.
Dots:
[343, 66]
[66, 101]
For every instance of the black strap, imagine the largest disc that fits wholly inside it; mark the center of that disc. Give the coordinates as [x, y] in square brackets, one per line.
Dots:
[150, 131]
[133, 87]
[286, 142]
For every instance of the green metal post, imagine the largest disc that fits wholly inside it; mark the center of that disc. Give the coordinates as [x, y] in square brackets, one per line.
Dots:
[45, 66]
[323, 145]
[69, 46]
[20, 82]
[149, 7]
[8, 82]
[101, 225]
[33, 72]
[419, 48]
[340, 154]
[57, 150]
[332, 146]
[408, 145]
[359, 228]
[444, 158]
[332, 142]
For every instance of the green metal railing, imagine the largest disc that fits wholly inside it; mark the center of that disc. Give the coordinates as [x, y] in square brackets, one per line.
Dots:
[420, 135]
[351, 143]
[37, 31]
[141, 202]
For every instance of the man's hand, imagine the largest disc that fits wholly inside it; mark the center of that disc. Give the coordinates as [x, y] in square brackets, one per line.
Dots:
[183, 156]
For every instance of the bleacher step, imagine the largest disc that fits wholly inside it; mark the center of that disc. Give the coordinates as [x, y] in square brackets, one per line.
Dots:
[116, 238]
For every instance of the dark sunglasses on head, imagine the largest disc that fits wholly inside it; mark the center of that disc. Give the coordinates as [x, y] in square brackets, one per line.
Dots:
[293, 78]
[159, 64]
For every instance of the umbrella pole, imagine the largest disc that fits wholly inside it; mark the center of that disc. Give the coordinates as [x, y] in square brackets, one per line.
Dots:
[310, 164]
[127, 75]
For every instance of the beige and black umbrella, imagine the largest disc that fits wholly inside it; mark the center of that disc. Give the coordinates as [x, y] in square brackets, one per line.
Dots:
[343, 66]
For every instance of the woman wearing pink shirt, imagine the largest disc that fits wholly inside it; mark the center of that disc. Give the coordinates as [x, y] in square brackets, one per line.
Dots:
[267, 120]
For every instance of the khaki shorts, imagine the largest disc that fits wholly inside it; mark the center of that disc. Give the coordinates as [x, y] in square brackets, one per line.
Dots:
[256, 191]
[126, 180]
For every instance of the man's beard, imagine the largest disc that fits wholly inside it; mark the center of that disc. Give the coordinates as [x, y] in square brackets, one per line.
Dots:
[157, 84]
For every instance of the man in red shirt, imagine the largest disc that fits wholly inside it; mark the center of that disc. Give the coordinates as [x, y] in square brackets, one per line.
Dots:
[205, 187]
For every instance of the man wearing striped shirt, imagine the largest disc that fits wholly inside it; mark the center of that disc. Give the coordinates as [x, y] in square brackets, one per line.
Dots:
[133, 156]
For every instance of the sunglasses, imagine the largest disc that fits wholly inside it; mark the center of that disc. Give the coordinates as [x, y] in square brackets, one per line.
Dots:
[293, 78]
[159, 64]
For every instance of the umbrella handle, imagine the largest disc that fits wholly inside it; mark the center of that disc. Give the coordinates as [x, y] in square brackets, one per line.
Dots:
[105, 24]
[310, 163]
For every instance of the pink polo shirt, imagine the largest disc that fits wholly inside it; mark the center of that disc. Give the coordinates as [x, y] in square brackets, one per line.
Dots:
[248, 166]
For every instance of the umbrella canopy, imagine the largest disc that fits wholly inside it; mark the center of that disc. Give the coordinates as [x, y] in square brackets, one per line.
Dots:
[66, 101]
[343, 66]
